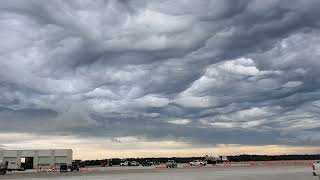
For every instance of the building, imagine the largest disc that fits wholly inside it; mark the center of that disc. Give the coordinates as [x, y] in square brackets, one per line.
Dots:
[33, 159]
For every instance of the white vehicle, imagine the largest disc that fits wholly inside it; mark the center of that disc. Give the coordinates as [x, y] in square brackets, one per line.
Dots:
[134, 163]
[126, 163]
[3, 167]
[198, 163]
[171, 164]
[15, 166]
[316, 168]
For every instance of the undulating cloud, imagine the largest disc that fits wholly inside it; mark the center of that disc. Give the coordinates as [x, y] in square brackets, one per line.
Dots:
[198, 73]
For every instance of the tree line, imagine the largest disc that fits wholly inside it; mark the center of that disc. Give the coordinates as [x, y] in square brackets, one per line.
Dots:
[272, 158]
[237, 158]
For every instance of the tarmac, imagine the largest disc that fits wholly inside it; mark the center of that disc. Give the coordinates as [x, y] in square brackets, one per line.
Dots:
[244, 172]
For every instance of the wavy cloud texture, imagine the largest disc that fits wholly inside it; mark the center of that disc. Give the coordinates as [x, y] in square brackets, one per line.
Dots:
[200, 72]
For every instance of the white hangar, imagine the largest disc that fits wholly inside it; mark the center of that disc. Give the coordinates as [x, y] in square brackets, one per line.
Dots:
[33, 159]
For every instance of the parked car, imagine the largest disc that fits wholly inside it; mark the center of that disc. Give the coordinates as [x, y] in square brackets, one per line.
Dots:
[3, 167]
[74, 166]
[146, 163]
[316, 168]
[156, 163]
[171, 164]
[106, 162]
[126, 163]
[134, 163]
[198, 163]
[63, 168]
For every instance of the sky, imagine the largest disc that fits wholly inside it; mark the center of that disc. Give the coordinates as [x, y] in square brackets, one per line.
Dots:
[150, 78]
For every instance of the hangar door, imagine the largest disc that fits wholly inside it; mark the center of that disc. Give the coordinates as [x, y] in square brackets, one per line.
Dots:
[44, 161]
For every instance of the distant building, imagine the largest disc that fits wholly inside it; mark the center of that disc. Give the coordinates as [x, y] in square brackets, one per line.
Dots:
[33, 159]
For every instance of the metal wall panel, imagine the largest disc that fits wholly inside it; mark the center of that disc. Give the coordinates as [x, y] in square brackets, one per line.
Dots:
[44, 152]
[10, 153]
[28, 153]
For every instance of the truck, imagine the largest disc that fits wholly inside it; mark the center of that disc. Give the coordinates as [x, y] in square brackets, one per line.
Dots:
[3, 167]
[171, 164]
[316, 168]
[63, 167]
[125, 163]
[198, 163]
[15, 166]
[74, 166]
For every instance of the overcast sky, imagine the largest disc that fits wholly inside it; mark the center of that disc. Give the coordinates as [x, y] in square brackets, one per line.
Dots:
[160, 77]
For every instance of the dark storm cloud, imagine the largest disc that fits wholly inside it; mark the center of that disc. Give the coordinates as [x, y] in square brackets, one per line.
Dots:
[207, 72]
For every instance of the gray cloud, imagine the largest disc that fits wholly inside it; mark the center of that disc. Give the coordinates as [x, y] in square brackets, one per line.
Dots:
[206, 72]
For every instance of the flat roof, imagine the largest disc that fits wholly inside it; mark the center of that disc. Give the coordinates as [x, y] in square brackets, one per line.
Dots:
[33, 149]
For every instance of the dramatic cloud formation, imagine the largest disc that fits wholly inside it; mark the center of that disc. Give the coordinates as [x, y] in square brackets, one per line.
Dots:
[186, 73]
